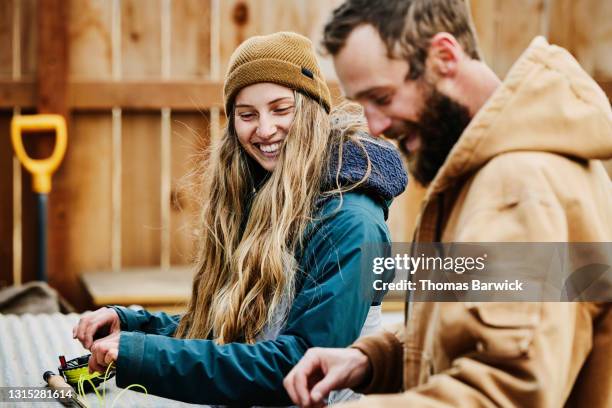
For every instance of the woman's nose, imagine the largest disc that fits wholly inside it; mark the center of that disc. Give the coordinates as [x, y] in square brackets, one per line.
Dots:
[266, 127]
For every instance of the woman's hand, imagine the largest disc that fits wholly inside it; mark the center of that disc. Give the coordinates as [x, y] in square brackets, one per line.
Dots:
[103, 322]
[104, 352]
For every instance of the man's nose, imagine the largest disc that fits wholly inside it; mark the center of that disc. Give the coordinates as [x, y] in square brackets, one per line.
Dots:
[266, 127]
[378, 122]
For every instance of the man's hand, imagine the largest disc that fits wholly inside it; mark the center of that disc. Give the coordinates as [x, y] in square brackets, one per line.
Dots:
[104, 320]
[322, 370]
[104, 352]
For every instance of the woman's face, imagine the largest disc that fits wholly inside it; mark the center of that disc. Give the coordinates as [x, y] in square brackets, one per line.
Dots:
[263, 115]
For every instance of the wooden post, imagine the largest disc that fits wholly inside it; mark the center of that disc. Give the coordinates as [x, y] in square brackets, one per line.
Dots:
[52, 57]
[52, 92]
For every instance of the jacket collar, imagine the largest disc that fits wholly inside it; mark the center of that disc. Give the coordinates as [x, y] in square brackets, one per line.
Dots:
[387, 178]
[546, 103]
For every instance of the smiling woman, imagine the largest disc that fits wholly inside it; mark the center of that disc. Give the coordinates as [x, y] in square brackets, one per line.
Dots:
[294, 190]
[263, 115]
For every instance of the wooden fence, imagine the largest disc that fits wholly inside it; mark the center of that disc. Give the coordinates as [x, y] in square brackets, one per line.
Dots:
[140, 81]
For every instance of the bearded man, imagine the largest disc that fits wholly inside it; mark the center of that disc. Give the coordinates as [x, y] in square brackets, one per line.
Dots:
[511, 161]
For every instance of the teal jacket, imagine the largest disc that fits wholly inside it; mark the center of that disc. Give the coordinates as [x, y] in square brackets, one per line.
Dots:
[331, 302]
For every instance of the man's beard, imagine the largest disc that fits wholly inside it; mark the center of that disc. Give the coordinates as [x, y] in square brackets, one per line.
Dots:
[439, 126]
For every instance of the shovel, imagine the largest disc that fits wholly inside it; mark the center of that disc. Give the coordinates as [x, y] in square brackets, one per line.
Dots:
[41, 170]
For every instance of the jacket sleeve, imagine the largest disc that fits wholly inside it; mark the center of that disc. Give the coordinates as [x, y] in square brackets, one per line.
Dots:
[521, 365]
[147, 322]
[201, 371]
[513, 354]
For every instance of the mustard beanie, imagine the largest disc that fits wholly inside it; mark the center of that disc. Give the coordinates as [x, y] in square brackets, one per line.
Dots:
[284, 58]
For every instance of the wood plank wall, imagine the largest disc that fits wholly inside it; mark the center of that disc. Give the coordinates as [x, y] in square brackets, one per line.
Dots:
[125, 198]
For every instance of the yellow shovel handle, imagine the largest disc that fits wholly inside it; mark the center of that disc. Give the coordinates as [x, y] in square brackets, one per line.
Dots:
[41, 169]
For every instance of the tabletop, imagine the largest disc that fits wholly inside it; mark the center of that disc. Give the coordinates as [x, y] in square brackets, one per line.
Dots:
[32, 344]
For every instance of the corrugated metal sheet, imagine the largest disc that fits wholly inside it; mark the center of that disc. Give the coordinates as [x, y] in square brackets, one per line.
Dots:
[31, 344]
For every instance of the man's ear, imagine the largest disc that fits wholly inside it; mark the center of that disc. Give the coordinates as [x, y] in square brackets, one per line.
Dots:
[443, 56]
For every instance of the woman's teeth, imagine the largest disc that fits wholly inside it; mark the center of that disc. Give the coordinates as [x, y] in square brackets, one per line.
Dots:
[271, 148]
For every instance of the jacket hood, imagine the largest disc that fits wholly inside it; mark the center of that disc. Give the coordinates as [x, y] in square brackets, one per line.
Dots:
[547, 103]
[388, 177]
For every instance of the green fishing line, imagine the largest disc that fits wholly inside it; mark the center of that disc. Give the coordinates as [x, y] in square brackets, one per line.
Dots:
[76, 373]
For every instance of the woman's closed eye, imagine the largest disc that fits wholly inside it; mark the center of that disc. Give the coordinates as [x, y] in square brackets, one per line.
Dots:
[246, 116]
[283, 110]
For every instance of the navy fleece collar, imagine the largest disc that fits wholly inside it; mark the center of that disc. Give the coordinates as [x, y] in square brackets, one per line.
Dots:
[388, 177]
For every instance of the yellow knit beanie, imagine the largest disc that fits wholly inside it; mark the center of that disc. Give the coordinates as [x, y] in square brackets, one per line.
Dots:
[284, 58]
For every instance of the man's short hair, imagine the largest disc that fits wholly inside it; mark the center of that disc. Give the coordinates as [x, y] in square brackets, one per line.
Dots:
[405, 26]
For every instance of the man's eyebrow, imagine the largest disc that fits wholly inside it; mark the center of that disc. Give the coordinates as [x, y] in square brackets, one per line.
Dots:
[362, 94]
[244, 105]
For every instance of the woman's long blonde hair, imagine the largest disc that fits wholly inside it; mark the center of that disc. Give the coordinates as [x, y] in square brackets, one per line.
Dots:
[245, 253]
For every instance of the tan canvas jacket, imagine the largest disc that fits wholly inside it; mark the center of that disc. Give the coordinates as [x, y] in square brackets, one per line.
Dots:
[527, 169]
